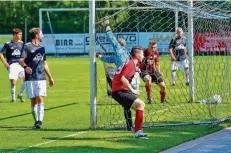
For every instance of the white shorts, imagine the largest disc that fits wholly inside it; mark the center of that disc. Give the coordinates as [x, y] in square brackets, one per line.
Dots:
[36, 88]
[16, 70]
[175, 65]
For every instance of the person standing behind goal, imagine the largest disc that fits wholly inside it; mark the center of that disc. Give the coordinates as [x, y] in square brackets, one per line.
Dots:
[33, 60]
[13, 50]
[178, 53]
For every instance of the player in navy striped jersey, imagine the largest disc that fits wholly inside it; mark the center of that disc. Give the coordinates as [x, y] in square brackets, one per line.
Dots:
[33, 60]
[178, 54]
[12, 49]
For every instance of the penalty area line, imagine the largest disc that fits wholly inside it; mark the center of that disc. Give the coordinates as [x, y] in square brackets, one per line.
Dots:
[47, 142]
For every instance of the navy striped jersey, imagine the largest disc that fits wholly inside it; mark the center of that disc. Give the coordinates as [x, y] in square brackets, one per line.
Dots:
[34, 57]
[13, 51]
[178, 44]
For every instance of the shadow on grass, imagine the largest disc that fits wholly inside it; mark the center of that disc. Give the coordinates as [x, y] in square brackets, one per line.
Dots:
[30, 128]
[48, 109]
[114, 141]
[81, 149]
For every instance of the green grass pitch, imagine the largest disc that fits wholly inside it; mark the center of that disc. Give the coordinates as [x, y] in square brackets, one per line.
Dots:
[67, 112]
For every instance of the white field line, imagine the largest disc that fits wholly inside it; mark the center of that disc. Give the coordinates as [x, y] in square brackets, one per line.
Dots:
[155, 112]
[47, 142]
[82, 132]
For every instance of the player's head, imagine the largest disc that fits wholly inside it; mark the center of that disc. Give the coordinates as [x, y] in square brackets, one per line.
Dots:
[17, 33]
[179, 32]
[138, 53]
[122, 42]
[36, 33]
[152, 45]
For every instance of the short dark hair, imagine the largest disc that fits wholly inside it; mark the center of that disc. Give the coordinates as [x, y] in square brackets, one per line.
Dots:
[33, 32]
[15, 31]
[152, 42]
[135, 50]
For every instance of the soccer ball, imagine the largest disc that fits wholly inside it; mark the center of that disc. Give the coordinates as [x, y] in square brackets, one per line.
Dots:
[216, 99]
[135, 81]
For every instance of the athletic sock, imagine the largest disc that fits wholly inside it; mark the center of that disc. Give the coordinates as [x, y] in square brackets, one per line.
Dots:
[173, 76]
[22, 89]
[34, 111]
[40, 110]
[162, 96]
[149, 91]
[12, 90]
[186, 71]
[139, 120]
[128, 118]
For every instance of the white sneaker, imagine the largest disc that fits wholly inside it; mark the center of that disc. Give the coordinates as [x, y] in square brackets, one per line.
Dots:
[173, 83]
[140, 134]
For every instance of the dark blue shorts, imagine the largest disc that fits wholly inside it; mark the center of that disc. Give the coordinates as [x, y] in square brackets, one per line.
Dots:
[124, 98]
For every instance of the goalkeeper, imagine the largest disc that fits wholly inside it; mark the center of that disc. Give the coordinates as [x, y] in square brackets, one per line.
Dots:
[120, 57]
[121, 54]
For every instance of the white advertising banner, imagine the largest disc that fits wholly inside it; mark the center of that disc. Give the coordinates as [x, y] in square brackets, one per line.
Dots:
[79, 43]
[163, 39]
[64, 43]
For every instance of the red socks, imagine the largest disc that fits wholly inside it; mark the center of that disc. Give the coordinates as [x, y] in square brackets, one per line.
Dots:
[162, 96]
[139, 120]
[149, 90]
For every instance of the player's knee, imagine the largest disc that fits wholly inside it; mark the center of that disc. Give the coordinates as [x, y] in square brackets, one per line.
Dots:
[13, 82]
[163, 87]
[139, 104]
[33, 101]
[148, 80]
[39, 99]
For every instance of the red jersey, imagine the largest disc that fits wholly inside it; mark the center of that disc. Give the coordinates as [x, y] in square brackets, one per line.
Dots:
[150, 60]
[127, 70]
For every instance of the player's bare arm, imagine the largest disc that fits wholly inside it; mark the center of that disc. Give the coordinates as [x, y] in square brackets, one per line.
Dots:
[171, 54]
[157, 66]
[28, 70]
[185, 52]
[48, 73]
[4, 61]
[127, 84]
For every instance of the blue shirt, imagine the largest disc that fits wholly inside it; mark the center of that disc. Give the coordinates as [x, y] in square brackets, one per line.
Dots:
[34, 57]
[13, 51]
[178, 44]
[121, 54]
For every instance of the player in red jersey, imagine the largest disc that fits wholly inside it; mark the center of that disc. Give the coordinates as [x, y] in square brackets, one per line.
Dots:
[150, 72]
[123, 92]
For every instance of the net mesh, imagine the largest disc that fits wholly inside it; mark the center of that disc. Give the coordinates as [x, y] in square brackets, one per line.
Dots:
[141, 21]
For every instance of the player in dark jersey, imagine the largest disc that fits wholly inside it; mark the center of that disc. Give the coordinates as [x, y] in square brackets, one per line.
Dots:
[178, 53]
[12, 49]
[150, 72]
[33, 60]
[123, 92]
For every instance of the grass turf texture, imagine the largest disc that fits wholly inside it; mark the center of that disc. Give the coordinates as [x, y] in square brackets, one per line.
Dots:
[67, 113]
[5, 38]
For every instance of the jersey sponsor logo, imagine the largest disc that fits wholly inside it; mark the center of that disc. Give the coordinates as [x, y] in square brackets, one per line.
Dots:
[38, 57]
[16, 52]
[181, 46]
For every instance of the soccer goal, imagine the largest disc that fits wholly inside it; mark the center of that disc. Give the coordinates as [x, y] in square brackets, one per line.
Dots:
[206, 25]
[65, 30]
